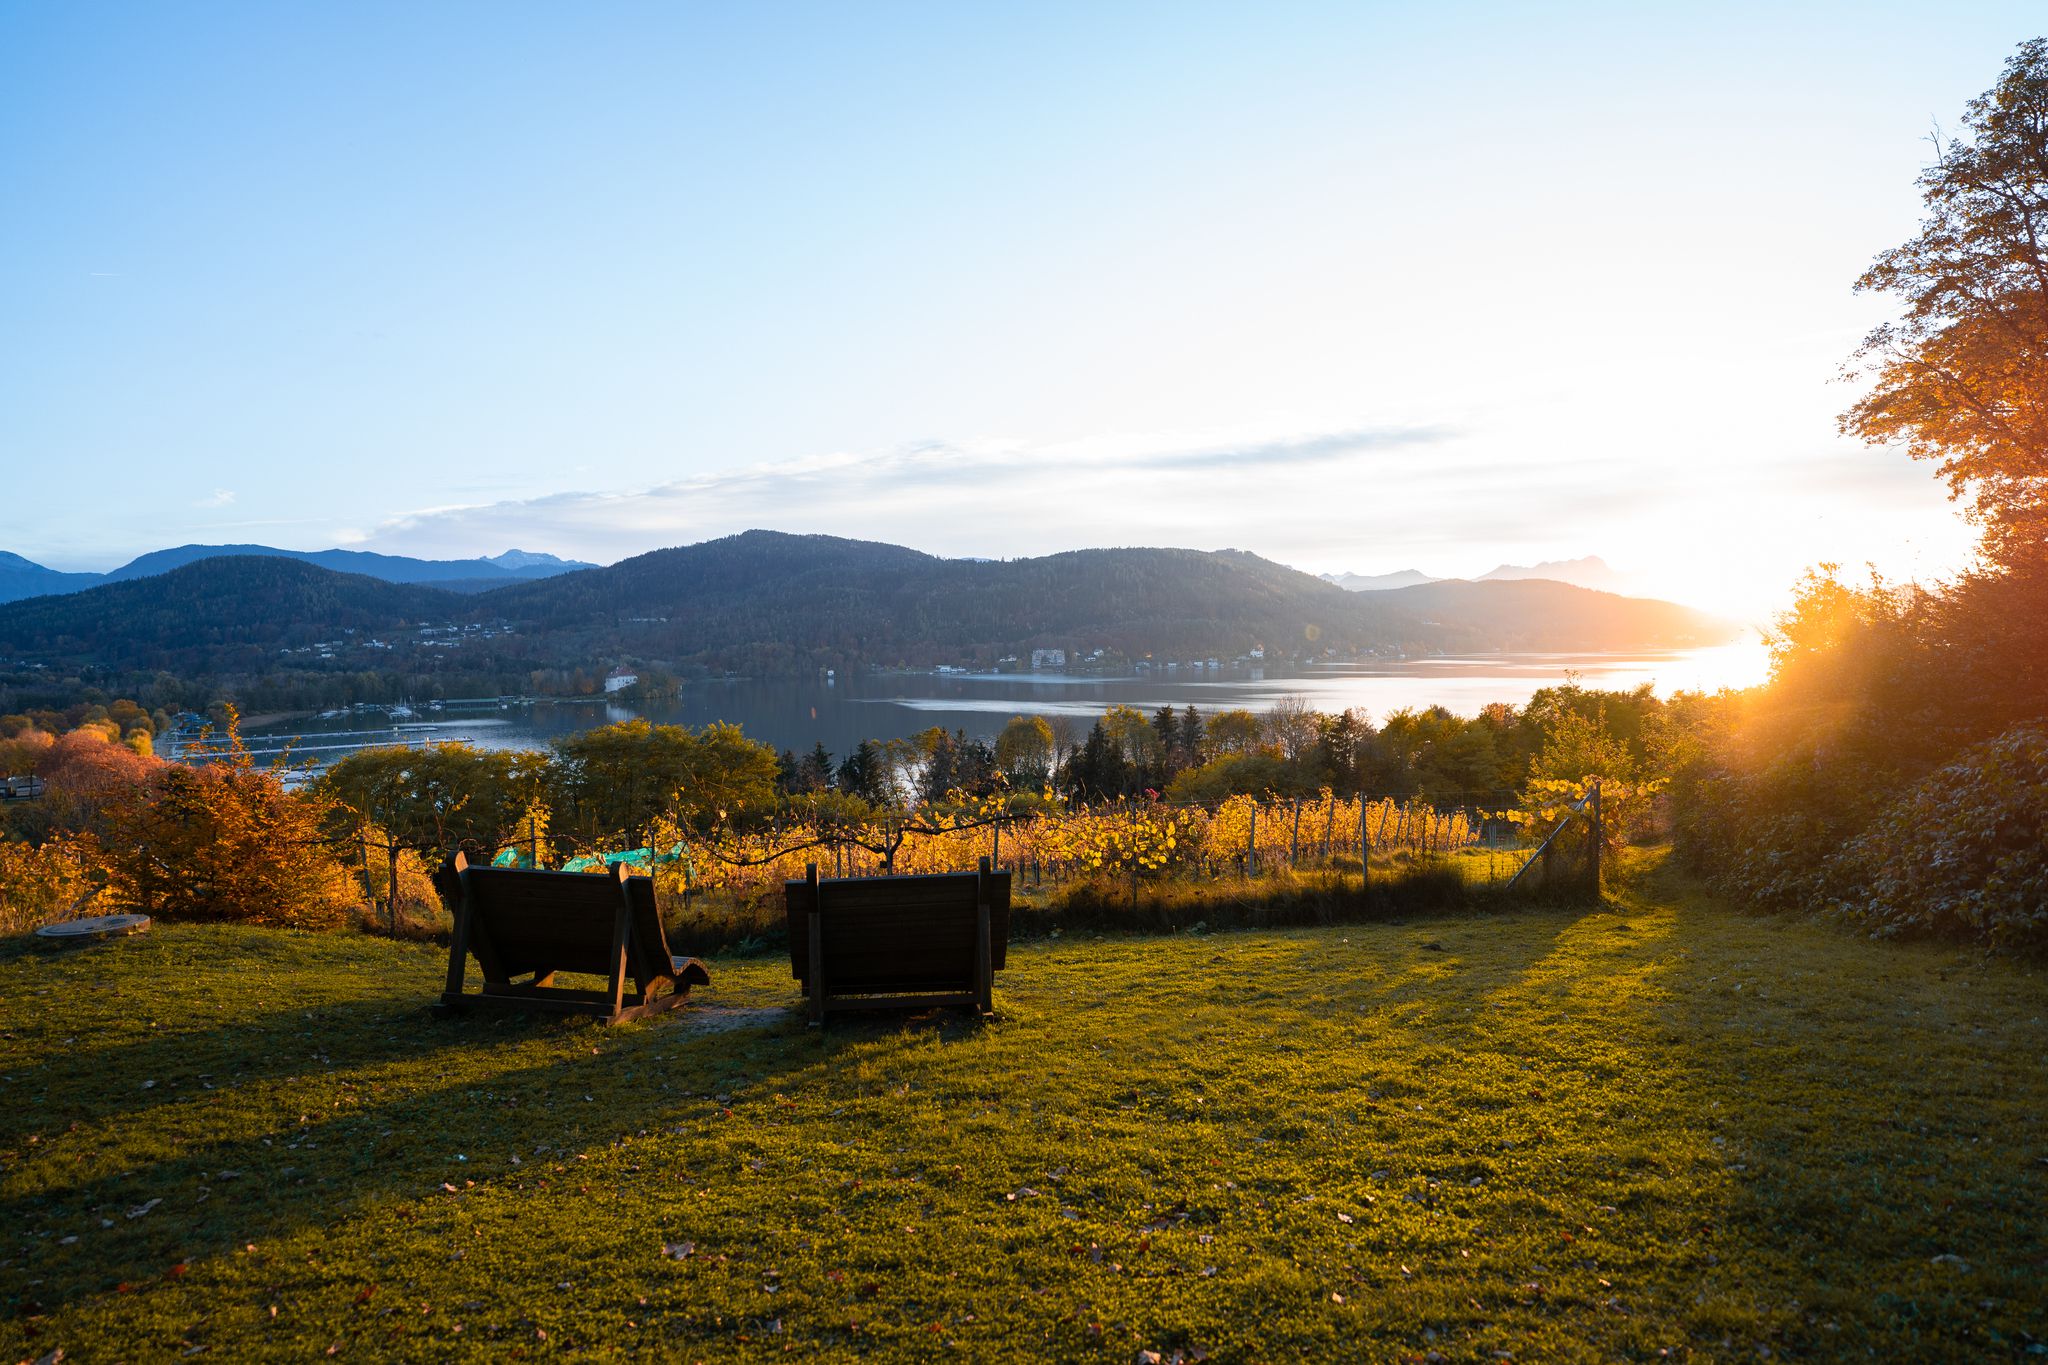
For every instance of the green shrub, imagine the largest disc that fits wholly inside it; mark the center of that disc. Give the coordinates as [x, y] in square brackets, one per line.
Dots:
[1963, 853]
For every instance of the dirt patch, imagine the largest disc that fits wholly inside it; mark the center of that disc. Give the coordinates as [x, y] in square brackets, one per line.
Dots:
[716, 1019]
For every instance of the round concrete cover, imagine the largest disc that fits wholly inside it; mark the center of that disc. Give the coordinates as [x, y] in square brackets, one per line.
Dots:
[98, 926]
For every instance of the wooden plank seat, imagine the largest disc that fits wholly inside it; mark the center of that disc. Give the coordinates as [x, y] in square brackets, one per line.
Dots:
[898, 942]
[534, 924]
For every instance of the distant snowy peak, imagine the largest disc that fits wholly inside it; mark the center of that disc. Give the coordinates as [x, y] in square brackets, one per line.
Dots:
[1379, 582]
[516, 560]
[1591, 571]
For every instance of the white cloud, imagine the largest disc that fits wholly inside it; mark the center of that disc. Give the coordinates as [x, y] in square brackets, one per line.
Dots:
[220, 497]
[1732, 534]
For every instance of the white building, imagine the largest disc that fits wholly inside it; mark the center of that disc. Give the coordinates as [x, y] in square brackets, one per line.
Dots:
[1048, 658]
[619, 679]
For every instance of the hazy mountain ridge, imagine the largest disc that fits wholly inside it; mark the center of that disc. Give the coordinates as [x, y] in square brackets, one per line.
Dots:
[1546, 616]
[1378, 582]
[389, 568]
[1588, 571]
[22, 578]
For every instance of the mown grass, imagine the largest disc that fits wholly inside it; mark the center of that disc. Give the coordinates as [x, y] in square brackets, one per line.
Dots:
[1653, 1127]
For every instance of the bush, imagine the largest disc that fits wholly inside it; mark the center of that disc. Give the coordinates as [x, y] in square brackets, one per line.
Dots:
[1963, 853]
[41, 884]
[226, 842]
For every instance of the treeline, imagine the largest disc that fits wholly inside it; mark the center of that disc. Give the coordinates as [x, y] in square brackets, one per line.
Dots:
[1895, 770]
[1185, 756]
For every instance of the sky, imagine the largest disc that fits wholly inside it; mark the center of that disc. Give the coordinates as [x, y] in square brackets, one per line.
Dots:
[1358, 287]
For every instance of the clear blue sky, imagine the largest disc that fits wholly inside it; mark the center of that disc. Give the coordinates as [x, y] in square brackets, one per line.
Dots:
[1355, 286]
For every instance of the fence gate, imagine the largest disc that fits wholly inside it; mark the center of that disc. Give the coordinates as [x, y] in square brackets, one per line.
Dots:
[1568, 859]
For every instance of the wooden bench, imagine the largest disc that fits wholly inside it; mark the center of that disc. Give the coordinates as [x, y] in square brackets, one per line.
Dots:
[896, 942]
[520, 923]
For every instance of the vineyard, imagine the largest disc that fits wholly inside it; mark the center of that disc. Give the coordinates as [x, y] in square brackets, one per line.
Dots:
[1242, 837]
[1128, 854]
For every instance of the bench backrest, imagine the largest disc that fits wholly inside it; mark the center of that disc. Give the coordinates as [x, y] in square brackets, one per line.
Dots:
[887, 934]
[563, 921]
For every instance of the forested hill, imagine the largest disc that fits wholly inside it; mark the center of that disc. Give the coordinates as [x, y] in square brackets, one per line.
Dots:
[764, 602]
[228, 615]
[763, 599]
[765, 595]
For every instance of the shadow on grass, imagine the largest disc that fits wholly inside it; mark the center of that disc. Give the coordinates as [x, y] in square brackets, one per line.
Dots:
[280, 1147]
[293, 1084]
[1874, 1118]
[202, 1136]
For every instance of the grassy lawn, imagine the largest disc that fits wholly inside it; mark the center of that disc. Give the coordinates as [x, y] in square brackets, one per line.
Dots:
[1658, 1130]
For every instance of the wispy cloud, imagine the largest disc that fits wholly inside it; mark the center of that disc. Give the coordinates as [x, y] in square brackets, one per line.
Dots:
[983, 497]
[220, 497]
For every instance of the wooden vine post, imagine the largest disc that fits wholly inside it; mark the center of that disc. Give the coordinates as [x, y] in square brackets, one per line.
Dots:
[1364, 850]
[1599, 836]
[1131, 830]
[1251, 845]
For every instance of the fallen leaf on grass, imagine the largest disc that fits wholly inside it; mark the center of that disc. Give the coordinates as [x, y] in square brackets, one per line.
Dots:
[141, 1209]
[366, 1293]
[678, 1250]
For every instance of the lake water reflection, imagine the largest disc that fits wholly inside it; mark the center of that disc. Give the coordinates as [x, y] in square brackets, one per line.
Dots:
[794, 713]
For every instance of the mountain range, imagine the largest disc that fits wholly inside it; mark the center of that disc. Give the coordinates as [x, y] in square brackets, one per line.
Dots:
[764, 603]
[1590, 571]
[20, 578]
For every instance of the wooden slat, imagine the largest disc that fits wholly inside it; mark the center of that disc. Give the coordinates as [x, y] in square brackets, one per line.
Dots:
[921, 1000]
[904, 910]
[578, 995]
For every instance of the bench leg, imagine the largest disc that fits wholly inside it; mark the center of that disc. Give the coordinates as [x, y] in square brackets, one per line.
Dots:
[616, 988]
[984, 962]
[817, 982]
[458, 959]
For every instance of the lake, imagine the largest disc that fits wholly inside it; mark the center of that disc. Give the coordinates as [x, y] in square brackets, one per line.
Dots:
[794, 713]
